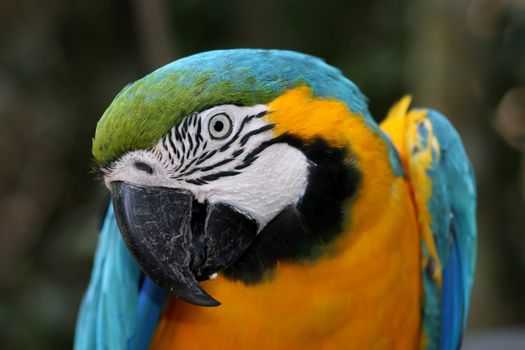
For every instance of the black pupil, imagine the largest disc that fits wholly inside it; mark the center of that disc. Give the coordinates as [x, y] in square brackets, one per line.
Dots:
[218, 125]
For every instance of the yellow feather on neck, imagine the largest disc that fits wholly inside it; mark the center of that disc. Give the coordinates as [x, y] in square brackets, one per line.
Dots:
[367, 295]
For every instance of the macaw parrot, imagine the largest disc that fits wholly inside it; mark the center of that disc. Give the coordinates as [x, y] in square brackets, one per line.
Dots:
[257, 205]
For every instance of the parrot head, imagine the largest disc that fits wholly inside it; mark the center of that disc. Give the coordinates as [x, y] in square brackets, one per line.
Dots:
[230, 161]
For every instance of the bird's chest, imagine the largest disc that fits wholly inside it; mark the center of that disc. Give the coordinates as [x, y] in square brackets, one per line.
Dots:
[366, 297]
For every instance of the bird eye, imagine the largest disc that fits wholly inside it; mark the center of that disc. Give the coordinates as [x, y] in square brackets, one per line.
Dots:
[143, 167]
[220, 126]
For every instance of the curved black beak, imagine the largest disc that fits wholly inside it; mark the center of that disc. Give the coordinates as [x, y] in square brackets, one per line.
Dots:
[178, 241]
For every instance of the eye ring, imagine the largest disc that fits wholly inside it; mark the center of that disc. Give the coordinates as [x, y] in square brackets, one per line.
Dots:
[220, 126]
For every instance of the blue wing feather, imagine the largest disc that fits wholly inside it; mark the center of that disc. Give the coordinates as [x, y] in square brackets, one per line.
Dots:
[452, 303]
[150, 305]
[452, 207]
[114, 313]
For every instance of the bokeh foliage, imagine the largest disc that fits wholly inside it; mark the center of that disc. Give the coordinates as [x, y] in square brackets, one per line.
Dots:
[62, 62]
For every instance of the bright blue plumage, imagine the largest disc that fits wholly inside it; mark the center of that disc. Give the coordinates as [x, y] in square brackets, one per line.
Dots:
[452, 209]
[150, 304]
[452, 308]
[275, 70]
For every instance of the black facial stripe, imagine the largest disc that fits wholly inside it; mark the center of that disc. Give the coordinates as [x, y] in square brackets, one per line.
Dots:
[207, 168]
[184, 126]
[229, 143]
[194, 119]
[182, 161]
[262, 129]
[159, 156]
[194, 153]
[218, 164]
[252, 156]
[218, 175]
[196, 181]
[178, 137]
[186, 167]
[254, 153]
[261, 114]
[211, 177]
[188, 151]
[181, 142]
[210, 167]
[188, 173]
[205, 157]
[190, 141]
[237, 153]
[245, 164]
[176, 169]
[197, 137]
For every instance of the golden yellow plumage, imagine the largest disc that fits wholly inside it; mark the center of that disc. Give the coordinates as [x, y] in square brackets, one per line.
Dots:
[365, 293]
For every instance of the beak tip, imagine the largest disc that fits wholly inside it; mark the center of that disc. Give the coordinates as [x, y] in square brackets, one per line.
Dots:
[213, 303]
[192, 293]
[199, 299]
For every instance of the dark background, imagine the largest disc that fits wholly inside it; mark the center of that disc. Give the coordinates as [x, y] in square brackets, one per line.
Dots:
[62, 62]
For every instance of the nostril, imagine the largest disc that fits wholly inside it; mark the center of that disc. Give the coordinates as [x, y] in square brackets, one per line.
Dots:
[143, 167]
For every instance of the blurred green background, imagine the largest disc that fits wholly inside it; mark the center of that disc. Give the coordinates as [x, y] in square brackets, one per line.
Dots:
[62, 62]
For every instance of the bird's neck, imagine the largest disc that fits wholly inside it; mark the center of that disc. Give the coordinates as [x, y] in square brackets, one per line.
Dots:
[367, 294]
[364, 292]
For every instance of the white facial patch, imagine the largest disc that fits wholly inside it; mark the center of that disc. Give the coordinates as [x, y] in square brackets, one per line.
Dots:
[225, 154]
[276, 180]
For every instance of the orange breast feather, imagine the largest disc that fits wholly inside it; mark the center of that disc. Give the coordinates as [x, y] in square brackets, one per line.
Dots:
[364, 294]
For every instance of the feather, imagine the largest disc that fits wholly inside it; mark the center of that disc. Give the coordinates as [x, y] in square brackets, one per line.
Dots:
[443, 183]
[150, 305]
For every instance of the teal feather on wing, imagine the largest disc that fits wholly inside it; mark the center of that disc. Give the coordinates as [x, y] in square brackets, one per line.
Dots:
[150, 305]
[452, 207]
